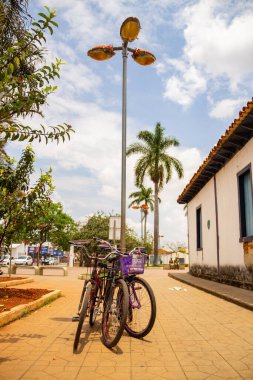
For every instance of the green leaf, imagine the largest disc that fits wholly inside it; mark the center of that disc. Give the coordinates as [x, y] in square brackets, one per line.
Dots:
[54, 23]
[15, 137]
[43, 15]
[16, 61]
[23, 137]
[36, 24]
[50, 29]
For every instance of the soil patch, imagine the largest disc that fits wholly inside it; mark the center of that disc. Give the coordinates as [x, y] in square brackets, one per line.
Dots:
[4, 279]
[11, 297]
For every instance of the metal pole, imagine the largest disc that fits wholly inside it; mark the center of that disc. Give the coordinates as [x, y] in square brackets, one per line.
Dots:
[123, 165]
[114, 231]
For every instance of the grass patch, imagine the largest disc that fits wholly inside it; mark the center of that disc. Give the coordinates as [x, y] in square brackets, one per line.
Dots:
[45, 303]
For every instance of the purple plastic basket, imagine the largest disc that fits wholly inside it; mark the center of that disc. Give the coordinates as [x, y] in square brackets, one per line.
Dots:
[133, 264]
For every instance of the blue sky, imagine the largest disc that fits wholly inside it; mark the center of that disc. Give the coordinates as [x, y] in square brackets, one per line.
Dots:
[201, 79]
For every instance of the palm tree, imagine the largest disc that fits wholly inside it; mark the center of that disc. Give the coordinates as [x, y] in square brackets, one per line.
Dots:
[157, 164]
[13, 20]
[143, 195]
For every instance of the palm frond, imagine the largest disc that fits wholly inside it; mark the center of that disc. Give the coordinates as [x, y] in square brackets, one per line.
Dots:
[136, 148]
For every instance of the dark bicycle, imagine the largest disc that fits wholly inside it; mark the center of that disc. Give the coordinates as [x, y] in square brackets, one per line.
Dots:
[106, 288]
[142, 305]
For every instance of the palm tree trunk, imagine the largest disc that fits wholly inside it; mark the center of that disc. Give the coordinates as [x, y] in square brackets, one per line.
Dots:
[145, 226]
[156, 225]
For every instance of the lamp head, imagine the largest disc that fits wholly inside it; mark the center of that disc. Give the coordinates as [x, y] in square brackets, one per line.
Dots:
[101, 53]
[143, 57]
[130, 29]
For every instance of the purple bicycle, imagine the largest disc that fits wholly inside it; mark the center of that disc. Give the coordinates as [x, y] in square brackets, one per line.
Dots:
[142, 305]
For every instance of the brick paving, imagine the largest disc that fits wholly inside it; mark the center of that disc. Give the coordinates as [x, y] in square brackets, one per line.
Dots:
[239, 296]
[196, 336]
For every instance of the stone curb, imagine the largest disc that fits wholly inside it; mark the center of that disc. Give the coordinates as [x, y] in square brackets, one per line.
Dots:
[7, 284]
[84, 276]
[236, 301]
[19, 311]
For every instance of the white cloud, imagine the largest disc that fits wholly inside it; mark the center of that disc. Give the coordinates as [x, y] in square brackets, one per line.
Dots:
[221, 44]
[217, 52]
[227, 108]
[184, 89]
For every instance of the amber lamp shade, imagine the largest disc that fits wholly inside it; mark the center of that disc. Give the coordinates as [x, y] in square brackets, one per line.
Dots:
[130, 29]
[143, 57]
[101, 53]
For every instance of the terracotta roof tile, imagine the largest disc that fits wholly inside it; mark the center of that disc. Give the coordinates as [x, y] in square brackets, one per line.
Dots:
[225, 137]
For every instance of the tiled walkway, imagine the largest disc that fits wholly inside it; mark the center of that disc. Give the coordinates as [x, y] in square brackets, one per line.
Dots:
[196, 336]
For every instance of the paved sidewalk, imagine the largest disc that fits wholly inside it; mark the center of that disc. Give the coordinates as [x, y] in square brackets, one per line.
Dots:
[196, 336]
[241, 297]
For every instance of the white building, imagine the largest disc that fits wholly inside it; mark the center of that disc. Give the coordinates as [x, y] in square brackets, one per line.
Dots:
[219, 199]
[18, 249]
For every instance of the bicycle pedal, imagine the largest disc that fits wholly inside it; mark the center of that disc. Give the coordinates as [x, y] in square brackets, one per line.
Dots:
[75, 318]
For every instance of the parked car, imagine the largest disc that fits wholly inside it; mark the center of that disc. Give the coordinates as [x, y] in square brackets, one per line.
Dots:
[49, 260]
[24, 260]
[6, 260]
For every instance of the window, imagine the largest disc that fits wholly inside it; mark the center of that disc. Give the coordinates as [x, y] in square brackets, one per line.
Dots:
[245, 203]
[199, 228]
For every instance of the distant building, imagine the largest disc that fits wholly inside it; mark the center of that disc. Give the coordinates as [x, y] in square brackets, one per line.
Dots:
[18, 249]
[219, 199]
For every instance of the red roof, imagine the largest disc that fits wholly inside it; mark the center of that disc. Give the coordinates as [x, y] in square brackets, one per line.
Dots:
[233, 140]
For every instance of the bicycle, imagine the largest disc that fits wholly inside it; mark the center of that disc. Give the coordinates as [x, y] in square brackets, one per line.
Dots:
[142, 305]
[108, 288]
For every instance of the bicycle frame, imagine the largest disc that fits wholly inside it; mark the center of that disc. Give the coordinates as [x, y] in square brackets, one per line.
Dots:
[133, 296]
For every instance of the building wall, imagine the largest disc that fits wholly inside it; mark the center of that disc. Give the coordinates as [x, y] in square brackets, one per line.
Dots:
[205, 199]
[228, 204]
[231, 250]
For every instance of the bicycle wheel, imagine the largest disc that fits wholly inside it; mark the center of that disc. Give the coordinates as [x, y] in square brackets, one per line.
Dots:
[115, 313]
[95, 301]
[142, 308]
[81, 298]
[83, 314]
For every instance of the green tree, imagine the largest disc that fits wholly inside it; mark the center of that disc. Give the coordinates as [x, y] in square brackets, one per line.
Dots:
[144, 200]
[157, 164]
[98, 225]
[19, 202]
[25, 82]
[53, 225]
[49, 223]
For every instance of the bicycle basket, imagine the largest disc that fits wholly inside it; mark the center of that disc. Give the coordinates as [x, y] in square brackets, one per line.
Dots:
[132, 264]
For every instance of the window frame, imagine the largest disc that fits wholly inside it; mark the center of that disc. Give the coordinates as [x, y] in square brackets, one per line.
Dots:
[199, 229]
[242, 226]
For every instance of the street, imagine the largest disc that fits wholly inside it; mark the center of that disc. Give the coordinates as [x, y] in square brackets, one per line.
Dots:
[195, 336]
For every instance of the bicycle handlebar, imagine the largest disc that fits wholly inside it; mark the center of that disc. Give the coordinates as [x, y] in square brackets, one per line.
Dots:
[113, 249]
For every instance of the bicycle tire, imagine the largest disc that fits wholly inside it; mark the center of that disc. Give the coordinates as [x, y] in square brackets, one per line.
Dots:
[83, 314]
[95, 300]
[141, 316]
[81, 298]
[115, 313]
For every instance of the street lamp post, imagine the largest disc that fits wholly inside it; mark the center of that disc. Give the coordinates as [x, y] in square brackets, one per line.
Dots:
[129, 32]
